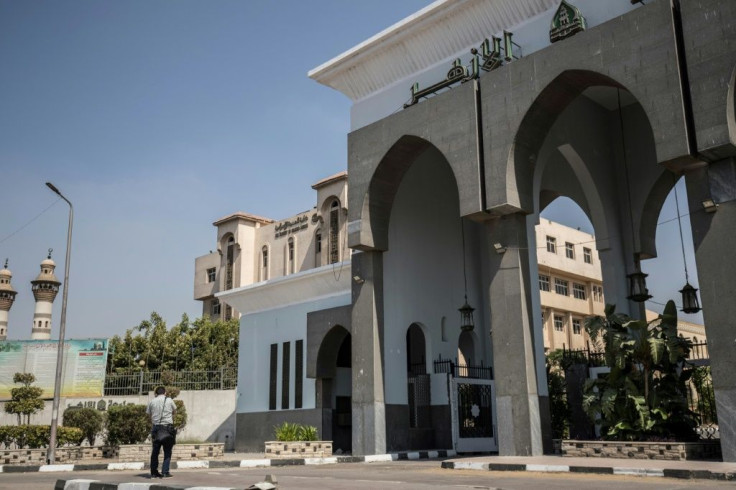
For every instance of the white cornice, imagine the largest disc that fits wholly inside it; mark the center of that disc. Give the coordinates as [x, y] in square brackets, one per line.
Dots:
[313, 284]
[422, 40]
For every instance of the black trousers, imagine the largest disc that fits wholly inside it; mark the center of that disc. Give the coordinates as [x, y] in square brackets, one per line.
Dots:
[168, 445]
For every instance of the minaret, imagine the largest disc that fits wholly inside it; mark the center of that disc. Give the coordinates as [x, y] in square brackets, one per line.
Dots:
[7, 296]
[45, 287]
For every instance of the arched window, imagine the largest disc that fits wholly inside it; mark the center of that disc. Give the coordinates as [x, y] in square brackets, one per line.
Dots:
[230, 260]
[290, 268]
[335, 231]
[264, 263]
[318, 248]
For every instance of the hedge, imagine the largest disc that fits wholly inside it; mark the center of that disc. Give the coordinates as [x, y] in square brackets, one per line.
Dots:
[37, 436]
[127, 424]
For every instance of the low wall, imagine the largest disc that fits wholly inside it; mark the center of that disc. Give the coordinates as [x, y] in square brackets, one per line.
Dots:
[293, 449]
[181, 452]
[674, 451]
[61, 455]
[210, 413]
[122, 454]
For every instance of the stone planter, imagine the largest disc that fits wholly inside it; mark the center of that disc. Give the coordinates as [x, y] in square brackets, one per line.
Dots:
[122, 454]
[294, 449]
[62, 455]
[181, 452]
[673, 451]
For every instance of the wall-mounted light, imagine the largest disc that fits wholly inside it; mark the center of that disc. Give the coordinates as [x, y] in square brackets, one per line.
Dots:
[358, 279]
[710, 206]
[499, 248]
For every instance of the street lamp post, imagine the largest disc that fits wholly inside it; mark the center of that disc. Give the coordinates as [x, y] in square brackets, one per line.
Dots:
[51, 456]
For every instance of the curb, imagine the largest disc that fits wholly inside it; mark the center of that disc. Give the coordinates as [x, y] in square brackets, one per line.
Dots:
[243, 463]
[601, 470]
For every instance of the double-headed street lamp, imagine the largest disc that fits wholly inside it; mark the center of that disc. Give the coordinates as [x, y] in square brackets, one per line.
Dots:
[51, 456]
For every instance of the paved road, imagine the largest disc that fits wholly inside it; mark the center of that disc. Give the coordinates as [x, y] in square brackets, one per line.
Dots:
[419, 475]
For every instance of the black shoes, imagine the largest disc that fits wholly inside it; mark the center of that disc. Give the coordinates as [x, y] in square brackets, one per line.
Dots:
[156, 474]
[167, 475]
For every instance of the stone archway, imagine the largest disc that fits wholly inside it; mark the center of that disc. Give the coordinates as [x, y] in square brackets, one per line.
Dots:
[334, 388]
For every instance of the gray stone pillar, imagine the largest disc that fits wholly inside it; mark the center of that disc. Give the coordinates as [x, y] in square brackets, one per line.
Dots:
[715, 256]
[369, 421]
[517, 399]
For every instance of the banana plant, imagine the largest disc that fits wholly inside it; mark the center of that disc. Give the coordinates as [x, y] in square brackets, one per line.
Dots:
[644, 397]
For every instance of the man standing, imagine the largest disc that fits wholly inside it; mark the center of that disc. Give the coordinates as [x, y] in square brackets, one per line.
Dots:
[161, 410]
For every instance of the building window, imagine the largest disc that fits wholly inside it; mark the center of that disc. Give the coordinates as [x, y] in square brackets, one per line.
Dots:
[598, 294]
[285, 372]
[576, 329]
[543, 283]
[578, 291]
[587, 255]
[215, 308]
[298, 373]
[561, 287]
[264, 263]
[569, 250]
[559, 323]
[274, 360]
[229, 263]
[290, 257]
[318, 242]
[211, 274]
[551, 244]
[334, 232]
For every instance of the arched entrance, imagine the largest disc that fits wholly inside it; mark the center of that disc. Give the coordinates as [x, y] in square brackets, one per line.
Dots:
[418, 383]
[334, 388]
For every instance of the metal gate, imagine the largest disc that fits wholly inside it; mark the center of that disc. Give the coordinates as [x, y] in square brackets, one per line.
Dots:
[473, 404]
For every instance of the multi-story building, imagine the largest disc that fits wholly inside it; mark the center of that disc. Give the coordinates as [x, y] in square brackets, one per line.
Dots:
[570, 284]
[252, 249]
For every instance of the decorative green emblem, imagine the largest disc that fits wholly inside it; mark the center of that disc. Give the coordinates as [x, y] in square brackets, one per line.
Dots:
[493, 55]
[566, 22]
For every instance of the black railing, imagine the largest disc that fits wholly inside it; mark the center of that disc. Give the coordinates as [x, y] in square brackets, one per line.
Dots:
[462, 371]
[583, 356]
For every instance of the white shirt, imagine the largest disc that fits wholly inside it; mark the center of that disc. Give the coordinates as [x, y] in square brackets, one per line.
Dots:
[161, 409]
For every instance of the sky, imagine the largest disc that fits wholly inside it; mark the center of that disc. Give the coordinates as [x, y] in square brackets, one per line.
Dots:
[155, 118]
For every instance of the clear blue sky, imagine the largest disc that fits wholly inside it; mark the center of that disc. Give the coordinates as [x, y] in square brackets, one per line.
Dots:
[155, 118]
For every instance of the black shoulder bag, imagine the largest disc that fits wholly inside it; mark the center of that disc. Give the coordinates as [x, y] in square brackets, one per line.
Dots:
[165, 433]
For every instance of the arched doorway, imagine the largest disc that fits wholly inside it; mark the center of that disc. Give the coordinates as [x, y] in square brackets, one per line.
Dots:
[334, 388]
[418, 382]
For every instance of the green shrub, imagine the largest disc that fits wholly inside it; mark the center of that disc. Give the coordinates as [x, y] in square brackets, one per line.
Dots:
[127, 424]
[295, 432]
[88, 420]
[308, 433]
[180, 416]
[37, 436]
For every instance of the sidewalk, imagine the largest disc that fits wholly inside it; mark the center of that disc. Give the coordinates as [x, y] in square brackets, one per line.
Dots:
[709, 470]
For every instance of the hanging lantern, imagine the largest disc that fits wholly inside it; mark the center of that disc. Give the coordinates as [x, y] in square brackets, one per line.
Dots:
[638, 286]
[689, 299]
[466, 317]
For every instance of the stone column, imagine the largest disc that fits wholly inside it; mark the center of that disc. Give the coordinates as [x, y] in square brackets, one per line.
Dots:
[715, 256]
[517, 398]
[369, 420]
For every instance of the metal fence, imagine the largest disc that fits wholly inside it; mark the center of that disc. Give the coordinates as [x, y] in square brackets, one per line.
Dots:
[463, 371]
[142, 382]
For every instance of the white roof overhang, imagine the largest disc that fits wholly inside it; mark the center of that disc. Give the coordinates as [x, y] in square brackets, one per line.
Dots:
[422, 40]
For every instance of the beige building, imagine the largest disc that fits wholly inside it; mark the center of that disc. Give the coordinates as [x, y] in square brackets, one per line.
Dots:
[252, 249]
[571, 288]
[570, 284]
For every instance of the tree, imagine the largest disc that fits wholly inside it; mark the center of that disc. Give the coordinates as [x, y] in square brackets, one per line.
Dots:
[645, 394]
[199, 345]
[26, 400]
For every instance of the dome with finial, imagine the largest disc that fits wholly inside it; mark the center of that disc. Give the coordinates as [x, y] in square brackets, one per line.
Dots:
[7, 293]
[48, 261]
